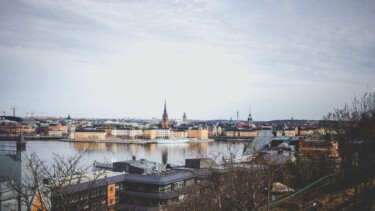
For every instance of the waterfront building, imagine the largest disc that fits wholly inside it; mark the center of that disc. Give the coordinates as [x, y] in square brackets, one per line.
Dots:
[149, 133]
[127, 132]
[84, 134]
[198, 133]
[164, 123]
[16, 129]
[164, 133]
[241, 133]
[56, 133]
[180, 133]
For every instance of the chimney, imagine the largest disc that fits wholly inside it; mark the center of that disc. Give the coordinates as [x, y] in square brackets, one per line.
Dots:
[134, 157]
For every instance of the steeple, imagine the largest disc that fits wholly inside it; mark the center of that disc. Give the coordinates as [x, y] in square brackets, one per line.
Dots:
[184, 120]
[165, 108]
[164, 123]
[250, 119]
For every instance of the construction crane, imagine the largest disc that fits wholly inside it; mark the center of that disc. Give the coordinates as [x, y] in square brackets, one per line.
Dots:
[3, 112]
[14, 110]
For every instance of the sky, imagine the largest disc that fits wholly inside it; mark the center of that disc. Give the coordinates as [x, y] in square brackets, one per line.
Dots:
[210, 59]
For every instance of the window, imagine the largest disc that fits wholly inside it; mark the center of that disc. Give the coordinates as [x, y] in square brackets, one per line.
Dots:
[178, 184]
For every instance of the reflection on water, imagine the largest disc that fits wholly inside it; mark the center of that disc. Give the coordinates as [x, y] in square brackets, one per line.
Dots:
[111, 152]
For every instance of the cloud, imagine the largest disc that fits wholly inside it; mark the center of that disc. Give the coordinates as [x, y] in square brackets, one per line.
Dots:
[208, 58]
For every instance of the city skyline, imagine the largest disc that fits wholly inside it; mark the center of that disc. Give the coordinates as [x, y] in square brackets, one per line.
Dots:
[210, 59]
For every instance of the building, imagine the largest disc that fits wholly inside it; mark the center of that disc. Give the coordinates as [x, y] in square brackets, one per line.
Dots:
[164, 133]
[164, 123]
[184, 119]
[241, 133]
[291, 132]
[127, 132]
[16, 129]
[180, 133]
[89, 135]
[250, 120]
[12, 163]
[135, 185]
[149, 133]
[151, 185]
[316, 147]
[198, 133]
[56, 133]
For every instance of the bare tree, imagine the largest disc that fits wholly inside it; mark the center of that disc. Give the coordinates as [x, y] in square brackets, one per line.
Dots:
[231, 186]
[355, 127]
[61, 184]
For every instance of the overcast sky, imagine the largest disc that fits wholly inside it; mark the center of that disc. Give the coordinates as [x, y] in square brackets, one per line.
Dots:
[91, 58]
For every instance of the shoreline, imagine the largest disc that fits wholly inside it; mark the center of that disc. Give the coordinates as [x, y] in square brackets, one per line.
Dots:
[137, 141]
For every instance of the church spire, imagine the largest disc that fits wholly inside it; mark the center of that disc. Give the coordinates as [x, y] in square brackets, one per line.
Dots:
[164, 123]
[165, 108]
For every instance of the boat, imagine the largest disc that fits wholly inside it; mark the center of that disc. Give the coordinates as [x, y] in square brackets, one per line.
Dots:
[172, 141]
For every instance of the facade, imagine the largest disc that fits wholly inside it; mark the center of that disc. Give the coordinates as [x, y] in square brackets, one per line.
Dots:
[291, 132]
[127, 132]
[63, 128]
[241, 133]
[198, 133]
[305, 132]
[56, 133]
[164, 133]
[89, 135]
[135, 185]
[149, 133]
[180, 133]
[318, 148]
[164, 123]
[17, 129]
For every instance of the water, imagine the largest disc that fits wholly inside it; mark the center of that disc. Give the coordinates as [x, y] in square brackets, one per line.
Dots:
[111, 152]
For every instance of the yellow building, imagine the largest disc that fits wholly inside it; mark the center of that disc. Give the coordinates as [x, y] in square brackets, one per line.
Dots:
[16, 129]
[291, 132]
[89, 135]
[63, 128]
[241, 133]
[149, 134]
[198, 133]
[180, 133]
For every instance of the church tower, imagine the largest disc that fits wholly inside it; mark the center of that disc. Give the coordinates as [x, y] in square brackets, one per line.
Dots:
[184, 120]
[250, 119]
[164, 123]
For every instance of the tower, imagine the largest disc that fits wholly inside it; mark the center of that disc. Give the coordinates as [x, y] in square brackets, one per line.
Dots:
[184, 120]
[250, 119]
[164, 123]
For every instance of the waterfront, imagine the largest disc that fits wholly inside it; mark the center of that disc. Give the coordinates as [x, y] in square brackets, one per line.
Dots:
[111, 152]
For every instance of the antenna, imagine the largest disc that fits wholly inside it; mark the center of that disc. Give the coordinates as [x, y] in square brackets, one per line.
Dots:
[14, 110]
[237, 115]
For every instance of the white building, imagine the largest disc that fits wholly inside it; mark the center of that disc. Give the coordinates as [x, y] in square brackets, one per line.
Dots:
[127, 132]
[164, 133]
